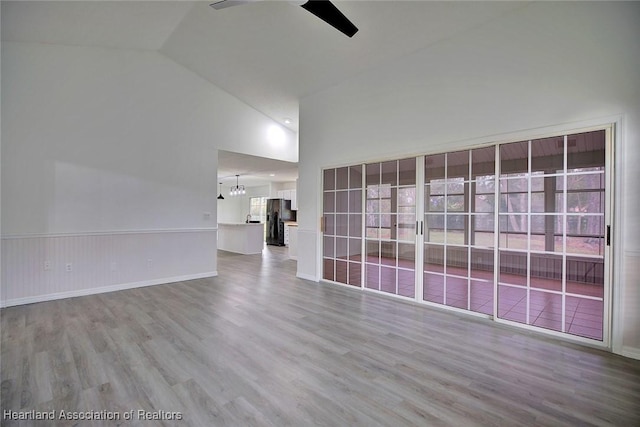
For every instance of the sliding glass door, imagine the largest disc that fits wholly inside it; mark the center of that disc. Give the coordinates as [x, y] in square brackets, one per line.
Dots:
[458, 260]
[552, 233]
[342, 225]
[390, 220]
[514, 231]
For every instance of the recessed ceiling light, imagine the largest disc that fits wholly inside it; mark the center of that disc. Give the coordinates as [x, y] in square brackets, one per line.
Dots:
[287, 121]
[272, 174]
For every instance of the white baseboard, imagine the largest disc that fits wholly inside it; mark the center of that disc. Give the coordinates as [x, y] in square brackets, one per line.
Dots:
[306, 277]
[104, 289]
[632, 352]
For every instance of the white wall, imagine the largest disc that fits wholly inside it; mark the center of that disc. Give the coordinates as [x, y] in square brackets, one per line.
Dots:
[546, 65]
[90, 132]
[112, 142]
[233, 210]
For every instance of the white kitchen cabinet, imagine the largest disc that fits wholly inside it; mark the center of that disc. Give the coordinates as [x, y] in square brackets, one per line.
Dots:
[293, 242]
[287, 231]
[284, 194]
[286, 234]
[289, 195]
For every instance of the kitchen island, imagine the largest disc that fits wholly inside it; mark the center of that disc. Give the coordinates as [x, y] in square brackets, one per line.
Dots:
[241, 238]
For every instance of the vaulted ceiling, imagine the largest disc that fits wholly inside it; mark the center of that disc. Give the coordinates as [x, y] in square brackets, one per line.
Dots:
[269, 54]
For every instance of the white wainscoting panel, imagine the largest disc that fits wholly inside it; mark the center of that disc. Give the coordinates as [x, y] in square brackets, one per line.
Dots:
[45, 267]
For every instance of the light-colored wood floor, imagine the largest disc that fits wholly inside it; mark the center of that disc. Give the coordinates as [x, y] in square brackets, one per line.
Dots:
[256, 346]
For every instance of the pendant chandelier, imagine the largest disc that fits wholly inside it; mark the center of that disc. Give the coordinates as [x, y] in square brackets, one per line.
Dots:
[237, 190]
[220, 197]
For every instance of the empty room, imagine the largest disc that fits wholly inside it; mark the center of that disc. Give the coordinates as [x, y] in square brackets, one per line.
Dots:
[225, 213]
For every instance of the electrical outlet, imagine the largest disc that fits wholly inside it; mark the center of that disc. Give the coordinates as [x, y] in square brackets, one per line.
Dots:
[47, 265]
[69, 267]
[206, 216]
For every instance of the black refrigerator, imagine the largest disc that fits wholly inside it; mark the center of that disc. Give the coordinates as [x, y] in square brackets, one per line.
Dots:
[278, 211]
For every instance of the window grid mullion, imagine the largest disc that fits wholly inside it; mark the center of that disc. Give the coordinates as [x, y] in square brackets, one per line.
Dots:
[445, 237]
[529, 185]
[564, 234]
[469, 230]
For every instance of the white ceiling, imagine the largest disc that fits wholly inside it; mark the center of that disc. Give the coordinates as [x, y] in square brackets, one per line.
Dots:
[116, 24]
[269, 54]
[272, 53]
[253, 171]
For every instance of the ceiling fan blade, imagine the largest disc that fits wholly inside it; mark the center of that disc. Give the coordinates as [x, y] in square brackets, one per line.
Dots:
[330, 14]
[223, 4]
